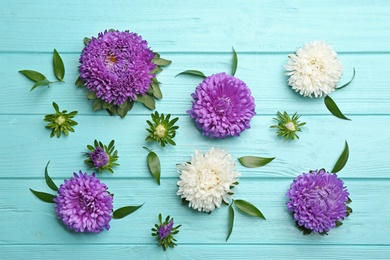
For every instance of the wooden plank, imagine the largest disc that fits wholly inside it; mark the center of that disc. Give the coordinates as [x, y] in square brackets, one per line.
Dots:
[37, 224]
[185, 251]
[199, 26]
[28, 146]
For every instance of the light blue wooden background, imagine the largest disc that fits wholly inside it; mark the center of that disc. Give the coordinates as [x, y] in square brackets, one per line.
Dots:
[197, 35]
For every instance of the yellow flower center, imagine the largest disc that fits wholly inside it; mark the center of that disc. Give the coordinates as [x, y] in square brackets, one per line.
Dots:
[290, 126]
[60, 120]
[160, 131]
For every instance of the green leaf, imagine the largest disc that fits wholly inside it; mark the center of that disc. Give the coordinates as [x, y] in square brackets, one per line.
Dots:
[254, 161]
[56, 108]
[248, 208]
[147, 100]
[342, 161]
[79, 82]
[333, 108]
[33, 75]
[97, 104]
[46, 197]
[58, 65]
[156, 90]
[349, 82]
[192, 72]
[231, 221]
[154, 166]
[49, 181]
[44, 82]
[124, 211]
[161, 61]
[235, 62]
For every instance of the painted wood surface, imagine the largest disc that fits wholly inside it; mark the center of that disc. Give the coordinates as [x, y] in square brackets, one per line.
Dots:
[197, 35]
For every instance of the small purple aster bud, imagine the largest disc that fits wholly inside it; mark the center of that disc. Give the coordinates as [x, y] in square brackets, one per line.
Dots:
[83, 204]
[317, 200]
[223, 106]
[165, 230]
[99, 157]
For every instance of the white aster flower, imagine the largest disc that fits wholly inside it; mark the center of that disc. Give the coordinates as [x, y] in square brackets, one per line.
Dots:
[314, 69]
[208, 179]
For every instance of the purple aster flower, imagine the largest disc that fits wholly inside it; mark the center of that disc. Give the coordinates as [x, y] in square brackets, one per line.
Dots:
[117, 66]
[165, 229]
[317, 200]
[83, 204]
[223, 106]
[99, 157]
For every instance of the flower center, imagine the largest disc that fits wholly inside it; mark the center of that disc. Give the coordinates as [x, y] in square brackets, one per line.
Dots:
[290, 126]
[208, 179]
[160, 131]
[222, 105]
[111, 59]
[88, 202]
[60, 120]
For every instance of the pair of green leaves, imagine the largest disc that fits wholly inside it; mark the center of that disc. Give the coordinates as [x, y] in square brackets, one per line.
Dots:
[47, 197]
[40, 79]
[244, 207]
[331, 104]
[202, 75]
[154, 165]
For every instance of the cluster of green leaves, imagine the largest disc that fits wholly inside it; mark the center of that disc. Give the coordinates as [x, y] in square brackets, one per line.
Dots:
[331, 104]
[154, 165]
[202, 75]
[148, 100]
[40, 79]
[47, 197]
[288, 126]
[109, 150]
[60, 121]
[162, 129]
[168, 241]
[243, 207]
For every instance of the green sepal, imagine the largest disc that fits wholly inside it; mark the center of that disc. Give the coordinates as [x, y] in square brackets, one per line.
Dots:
[349, 82]
[333, 108]
[156, 90]
[58, 66]
[79, 82]
[339, 223]
[248, 208]
[97, 104]
[154, 165]
[192, 72]
[342, 161]
[44, 82]
[254, 161]
[46, 197]
[33, 75]
[349, 211]
[49, 180]
[147, 100]
[86, 40]
[161, 61]
[231, 221]
[235, 62]
[124, 211]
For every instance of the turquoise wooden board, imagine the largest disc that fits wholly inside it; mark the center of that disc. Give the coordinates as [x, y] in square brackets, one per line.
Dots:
[197, 35]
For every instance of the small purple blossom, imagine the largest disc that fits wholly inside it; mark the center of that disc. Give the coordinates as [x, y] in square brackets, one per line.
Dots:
[165, 229]
[117, 66]
[317, 200]
[223, 106]
[83, 204]
[99, 157]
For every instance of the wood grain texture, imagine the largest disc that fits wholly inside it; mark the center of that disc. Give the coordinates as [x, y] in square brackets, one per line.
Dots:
[197, 35]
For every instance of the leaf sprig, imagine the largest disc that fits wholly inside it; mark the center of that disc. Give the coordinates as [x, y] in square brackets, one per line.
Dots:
[244, 207]
[60, 122]
[41, 80]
